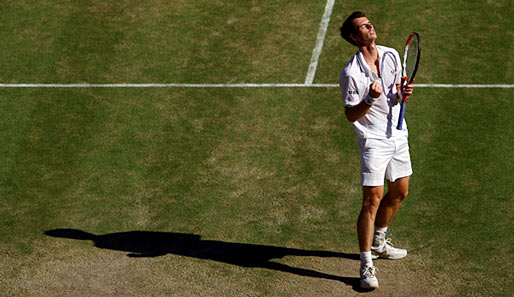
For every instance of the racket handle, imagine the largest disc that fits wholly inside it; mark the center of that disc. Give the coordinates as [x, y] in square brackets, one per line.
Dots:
[402, 114]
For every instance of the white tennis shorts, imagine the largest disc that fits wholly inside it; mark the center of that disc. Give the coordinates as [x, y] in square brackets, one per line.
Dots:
[384, 158]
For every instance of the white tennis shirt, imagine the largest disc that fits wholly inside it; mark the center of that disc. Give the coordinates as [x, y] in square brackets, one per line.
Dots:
[381, 120]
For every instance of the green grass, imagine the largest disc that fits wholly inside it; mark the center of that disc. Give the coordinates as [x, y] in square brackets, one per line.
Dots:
[462, 41]
[178, 41]
[465, 165]
[263, 166]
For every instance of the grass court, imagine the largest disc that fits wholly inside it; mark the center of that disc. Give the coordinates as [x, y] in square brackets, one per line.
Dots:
[243, 191]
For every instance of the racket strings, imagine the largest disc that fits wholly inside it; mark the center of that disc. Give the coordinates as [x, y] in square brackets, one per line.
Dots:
[389, 62]
[412, 56]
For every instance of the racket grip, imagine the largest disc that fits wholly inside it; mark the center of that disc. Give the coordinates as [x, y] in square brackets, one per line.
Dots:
[402, 114]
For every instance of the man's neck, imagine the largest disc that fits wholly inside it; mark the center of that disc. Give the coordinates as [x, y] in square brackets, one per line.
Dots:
[370, 53]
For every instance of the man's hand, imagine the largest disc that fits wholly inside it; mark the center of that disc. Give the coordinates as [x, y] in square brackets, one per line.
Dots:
[375, 89]
[408, 89]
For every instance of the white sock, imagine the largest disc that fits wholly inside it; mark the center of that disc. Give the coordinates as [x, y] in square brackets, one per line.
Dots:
[379, 236]
[366, 259]
[381, 230]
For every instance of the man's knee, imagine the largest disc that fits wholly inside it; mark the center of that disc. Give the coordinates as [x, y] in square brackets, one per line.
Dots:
[403, 194]
[372, 197]
[399, 189]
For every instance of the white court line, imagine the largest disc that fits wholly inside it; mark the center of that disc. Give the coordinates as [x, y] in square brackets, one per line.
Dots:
[241, 85]
[152, 85]
[467, 86]
[319, 42]
[308, 81]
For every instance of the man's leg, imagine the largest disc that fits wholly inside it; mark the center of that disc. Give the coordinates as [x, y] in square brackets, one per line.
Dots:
[365, 227]
[397, 191]
[366, 222]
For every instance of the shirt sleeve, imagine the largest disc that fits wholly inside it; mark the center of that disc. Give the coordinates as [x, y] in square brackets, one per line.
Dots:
[350, 91]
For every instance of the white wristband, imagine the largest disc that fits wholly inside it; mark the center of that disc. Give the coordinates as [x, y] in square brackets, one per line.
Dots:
[369, 100]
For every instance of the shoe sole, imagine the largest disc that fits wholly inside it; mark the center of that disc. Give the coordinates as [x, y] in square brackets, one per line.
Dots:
[369, 286]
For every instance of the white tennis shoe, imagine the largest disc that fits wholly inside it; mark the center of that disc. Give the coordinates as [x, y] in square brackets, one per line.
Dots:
[384, 249]
[369, 277]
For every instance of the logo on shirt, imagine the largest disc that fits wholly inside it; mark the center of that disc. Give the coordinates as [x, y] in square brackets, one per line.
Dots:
[353, 92]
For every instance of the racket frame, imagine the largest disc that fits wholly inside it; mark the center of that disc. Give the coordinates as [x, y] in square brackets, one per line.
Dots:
[407, 80]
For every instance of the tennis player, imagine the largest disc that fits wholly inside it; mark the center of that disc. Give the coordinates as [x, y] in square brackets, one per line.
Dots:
[370, 85]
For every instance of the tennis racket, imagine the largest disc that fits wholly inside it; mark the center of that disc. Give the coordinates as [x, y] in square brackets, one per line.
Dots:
[411, 57]
[391, 63]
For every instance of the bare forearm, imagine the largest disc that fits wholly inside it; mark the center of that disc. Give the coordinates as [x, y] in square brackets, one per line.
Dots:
[356, 112]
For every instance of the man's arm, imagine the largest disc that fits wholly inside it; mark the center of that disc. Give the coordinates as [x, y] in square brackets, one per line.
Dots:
[356, 112]
[407, 90]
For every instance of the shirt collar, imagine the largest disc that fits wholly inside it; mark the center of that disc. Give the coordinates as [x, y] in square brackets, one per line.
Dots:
[364, 66]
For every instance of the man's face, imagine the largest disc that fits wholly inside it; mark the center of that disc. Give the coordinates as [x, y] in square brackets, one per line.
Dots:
[364, 32]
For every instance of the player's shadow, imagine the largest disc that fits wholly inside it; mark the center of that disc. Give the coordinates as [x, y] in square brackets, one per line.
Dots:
[155, 244]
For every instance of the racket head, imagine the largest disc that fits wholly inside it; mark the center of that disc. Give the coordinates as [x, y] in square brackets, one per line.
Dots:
[390, 61]
[411, 57]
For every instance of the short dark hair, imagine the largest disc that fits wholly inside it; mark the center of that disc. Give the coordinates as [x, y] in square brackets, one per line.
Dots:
[348, 28]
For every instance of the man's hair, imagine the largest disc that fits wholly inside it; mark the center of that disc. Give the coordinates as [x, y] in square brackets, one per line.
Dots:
[348, 28]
